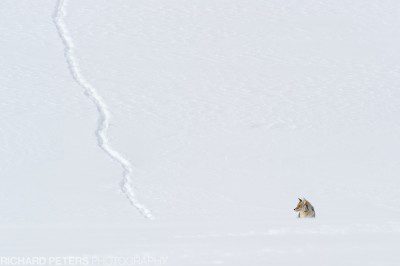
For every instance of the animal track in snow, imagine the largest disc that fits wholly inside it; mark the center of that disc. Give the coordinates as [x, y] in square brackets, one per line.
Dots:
[102, 108]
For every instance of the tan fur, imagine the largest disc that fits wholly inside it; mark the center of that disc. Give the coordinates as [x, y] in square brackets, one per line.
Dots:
[305, 209]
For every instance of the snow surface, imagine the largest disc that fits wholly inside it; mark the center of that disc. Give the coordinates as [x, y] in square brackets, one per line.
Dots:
[186, 130]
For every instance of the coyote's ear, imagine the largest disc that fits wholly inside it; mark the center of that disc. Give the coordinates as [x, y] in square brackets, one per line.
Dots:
[306, 205]
[299, 200]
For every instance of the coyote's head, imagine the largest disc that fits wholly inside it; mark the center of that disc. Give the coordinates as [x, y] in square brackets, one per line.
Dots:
[303, 205]
[305, 209]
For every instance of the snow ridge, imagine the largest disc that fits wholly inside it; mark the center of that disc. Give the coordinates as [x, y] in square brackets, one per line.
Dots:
[102, 108]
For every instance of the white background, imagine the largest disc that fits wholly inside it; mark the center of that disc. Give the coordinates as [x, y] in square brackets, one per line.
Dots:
[228, 112]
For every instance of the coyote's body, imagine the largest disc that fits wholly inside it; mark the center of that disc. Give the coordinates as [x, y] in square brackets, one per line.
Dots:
[305, 209]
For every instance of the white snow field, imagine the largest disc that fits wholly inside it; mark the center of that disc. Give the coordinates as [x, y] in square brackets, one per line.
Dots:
[183, 132]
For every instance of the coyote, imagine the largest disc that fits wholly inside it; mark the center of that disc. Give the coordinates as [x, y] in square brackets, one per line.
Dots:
[305, 209]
